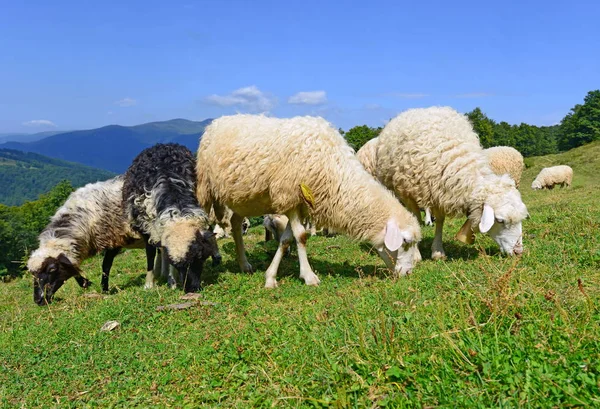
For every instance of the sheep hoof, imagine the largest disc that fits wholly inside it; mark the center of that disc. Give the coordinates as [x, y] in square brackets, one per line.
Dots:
[312, 279]
[148, 286]
[247, 268]
[271, 284]
[438, 255]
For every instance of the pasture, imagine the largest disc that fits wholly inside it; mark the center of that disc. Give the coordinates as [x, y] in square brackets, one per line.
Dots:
[475, 330]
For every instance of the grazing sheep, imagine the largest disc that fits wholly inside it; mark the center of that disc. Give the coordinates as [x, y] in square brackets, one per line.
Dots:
[431, 157]
[223, 229]
[160, 204]
[506, 160]
[556, 175]
[90, 221]
[303, 168]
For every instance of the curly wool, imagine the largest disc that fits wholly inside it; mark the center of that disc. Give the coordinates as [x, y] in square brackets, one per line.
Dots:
[506, 160]
[555, 175]
[367, 155]
[91, 220]
[256, 164]
[433, 157]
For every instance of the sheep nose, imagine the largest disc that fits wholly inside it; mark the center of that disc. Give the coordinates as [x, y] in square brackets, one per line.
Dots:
[518, 250]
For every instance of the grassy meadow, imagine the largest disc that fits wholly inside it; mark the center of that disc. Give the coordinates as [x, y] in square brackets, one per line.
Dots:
[476, 330]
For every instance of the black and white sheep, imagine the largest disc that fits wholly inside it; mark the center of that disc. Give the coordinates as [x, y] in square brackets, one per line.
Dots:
[161, 205]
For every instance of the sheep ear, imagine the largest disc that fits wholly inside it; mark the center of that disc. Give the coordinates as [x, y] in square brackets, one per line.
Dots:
[487, 219]
[393, 236]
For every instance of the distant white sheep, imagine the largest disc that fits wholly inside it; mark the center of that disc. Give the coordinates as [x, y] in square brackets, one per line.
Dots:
[556, 175]
[506, 160]
[431, 157]
[258, 165]
[222, 229]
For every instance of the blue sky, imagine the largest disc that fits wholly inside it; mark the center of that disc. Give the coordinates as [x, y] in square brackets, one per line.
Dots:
[76, 65]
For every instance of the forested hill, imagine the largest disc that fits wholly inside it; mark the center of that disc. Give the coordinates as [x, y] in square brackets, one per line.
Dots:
[24, 176]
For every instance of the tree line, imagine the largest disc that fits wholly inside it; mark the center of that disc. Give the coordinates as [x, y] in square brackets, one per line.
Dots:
[580, 126]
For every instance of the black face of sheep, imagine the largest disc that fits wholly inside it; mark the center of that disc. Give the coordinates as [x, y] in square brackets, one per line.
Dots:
[51, 276]
[190, 268]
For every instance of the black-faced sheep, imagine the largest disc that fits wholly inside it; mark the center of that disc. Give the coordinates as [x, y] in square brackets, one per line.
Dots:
[90, 221]
[161, 205]
[307, 170]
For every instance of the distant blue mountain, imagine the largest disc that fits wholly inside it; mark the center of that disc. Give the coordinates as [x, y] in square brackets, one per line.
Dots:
[113, 147]
[26, 137]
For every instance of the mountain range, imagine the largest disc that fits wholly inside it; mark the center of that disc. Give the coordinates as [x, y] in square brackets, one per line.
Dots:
[24, 176]
[113, 147]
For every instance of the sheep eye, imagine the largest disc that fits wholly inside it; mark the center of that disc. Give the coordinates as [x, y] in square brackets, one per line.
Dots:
[500, 220]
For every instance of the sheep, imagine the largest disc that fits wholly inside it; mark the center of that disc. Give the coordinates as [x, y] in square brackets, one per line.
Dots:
[223, 230]
[90, 221]
[431, 157]
[556, 175]
[367, 155]
[506, 160]
[301, 167]
[160, 204]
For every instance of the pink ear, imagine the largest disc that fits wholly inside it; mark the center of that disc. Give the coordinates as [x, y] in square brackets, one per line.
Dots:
[487, 219]
[393, 236]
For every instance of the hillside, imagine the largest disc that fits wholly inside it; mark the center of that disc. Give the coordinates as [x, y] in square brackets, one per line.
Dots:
[475, 330]
[26, 137]
[24, 176]
[113, 147]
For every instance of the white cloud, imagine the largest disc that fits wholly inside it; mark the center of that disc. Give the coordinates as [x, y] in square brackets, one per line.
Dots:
[308, 98]
[250, 98]
[409, 95]
[126, 102]
[474, 95]
[40, 122]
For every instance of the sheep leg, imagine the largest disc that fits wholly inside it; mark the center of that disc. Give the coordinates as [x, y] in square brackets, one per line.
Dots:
[301, 236]
[109, 256]
[437, 247]
[236, 231]
[284, 245]
[428, 220]
[413, 207]
[150, 254]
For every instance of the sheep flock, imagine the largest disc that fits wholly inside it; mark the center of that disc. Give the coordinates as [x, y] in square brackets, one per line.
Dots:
[295, 172]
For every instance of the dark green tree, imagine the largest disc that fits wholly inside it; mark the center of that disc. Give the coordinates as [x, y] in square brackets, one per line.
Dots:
[483, 126]
[582, 124]
[359, 135]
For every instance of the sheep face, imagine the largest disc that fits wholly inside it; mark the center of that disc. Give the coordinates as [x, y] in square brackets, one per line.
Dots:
[536, 185]
[188, 254]
[503, 222]
[51, 275]
[400, 251]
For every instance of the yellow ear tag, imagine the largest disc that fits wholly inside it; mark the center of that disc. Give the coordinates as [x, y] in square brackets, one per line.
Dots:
[307, 195]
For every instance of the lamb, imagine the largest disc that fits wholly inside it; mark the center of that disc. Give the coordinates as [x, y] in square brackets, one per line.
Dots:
[556, 175]
[90, 221]
[303, 168]
[160, 204]
[506, 160]
[431, 157]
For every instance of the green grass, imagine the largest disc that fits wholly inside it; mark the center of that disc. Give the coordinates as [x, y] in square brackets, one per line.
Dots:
[477, 330]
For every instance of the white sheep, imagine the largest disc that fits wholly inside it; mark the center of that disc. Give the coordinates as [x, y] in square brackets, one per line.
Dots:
[431, 157]
[556, 175]
[506, 160]
[258, 165]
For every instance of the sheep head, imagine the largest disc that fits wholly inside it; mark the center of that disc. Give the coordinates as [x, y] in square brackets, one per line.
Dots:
[50, 275]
